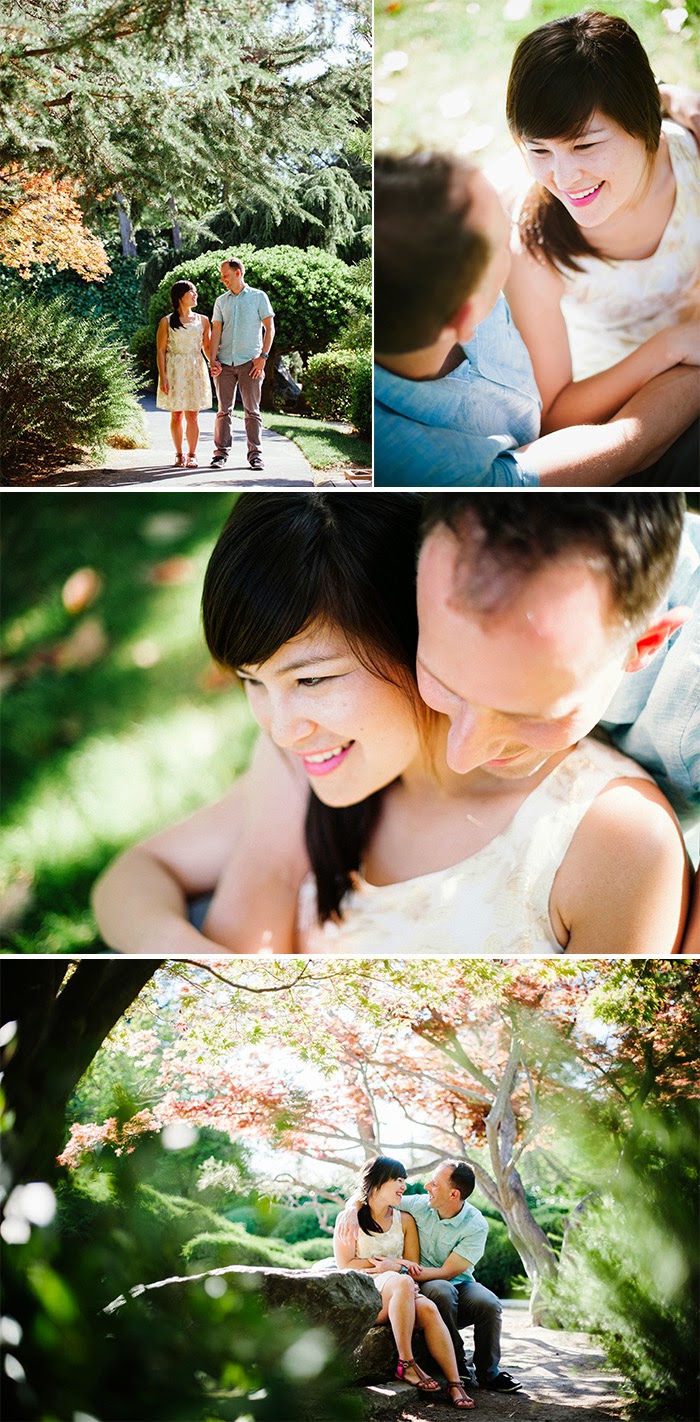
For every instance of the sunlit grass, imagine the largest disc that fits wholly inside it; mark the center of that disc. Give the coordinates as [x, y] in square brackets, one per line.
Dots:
[323, 446]
[100, 751]
[441, 66]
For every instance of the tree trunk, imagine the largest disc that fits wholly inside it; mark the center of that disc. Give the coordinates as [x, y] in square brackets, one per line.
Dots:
[61, 1024]
[127, 232]
[177, 239]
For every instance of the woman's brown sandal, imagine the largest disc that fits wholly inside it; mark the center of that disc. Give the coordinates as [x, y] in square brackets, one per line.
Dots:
[425, 1382]
[191, 462]
[179, 461]
[462, 1400]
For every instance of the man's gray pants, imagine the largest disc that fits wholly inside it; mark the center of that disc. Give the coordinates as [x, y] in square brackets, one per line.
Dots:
[464, 1304]
[232, 376]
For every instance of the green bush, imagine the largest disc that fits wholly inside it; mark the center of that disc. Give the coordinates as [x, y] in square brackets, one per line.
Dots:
[329, 382]
[312, 293]
[631, 1273]
[117, 298]
[301, 1223]
[500, 1264]
[65, 386]
[217, 1249]
[361, 402]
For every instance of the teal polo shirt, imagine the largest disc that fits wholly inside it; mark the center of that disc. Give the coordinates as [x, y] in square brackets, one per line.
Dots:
[241, 320]
[464, 1234]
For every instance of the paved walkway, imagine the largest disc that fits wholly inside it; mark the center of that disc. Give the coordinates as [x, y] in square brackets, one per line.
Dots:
[285, 465]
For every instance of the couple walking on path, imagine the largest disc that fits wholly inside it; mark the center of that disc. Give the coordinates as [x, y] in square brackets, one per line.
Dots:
[236, 345]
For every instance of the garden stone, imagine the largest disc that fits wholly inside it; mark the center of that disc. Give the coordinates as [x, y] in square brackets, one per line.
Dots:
[344, 1303]
[374, 1359]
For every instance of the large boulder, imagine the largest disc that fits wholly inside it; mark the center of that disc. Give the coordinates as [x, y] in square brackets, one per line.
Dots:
[375, 1357]
[343, 1302]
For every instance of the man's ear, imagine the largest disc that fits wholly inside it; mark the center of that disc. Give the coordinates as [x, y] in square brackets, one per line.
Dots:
[463, 323]
[656, 636]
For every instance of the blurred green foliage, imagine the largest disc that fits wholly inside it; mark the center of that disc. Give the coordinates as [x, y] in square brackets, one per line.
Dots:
[100, 750]
[631, 1273]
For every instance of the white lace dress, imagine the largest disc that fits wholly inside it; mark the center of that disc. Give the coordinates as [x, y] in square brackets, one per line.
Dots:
[186, 370]
[611, 308]
[382, 1246]
[494, 903]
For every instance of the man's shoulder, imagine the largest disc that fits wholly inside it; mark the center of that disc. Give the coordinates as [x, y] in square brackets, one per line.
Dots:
[472, 1218]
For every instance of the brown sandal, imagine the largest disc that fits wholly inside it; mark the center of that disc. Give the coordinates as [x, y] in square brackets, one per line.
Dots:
[192, 462]
[179, 461]
[462, 1401]
[425, 1382]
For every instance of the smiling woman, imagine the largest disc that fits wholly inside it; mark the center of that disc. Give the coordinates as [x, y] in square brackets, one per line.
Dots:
[367, 822]
[604, 284]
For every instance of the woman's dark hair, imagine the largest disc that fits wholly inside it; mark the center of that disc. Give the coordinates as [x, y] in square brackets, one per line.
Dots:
[284, 561]
[177, 291]
[376, 1172]
[561, 74]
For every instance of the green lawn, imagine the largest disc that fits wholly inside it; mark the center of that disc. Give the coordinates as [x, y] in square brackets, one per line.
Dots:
[324, 446]
[112, 725]
[441, 66]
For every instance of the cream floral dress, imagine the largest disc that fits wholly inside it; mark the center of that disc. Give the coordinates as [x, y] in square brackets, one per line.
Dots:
[186, 370]
[495, 902]
[388, 1245]
[611, 308]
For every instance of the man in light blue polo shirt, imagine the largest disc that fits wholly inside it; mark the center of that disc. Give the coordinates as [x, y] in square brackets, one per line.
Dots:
[455, 397]
[242, 332]
[452, 1236]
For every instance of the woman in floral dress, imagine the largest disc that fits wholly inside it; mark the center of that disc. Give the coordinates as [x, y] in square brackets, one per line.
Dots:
[183, 378]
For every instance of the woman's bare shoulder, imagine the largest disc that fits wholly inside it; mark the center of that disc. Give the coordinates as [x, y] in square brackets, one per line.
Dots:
[624, 883]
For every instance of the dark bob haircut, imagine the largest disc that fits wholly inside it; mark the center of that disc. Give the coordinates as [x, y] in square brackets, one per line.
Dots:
[284, 561]
[177, 291]
[561, 74]
[376, 1173]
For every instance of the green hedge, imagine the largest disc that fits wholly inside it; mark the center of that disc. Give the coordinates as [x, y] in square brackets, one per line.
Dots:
[329, 381]
[116, 299]
[361, 403]
[65, 385]
[312, 293]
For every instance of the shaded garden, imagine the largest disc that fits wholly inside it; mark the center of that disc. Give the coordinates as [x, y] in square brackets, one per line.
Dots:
[139, 139]
[214, 1114]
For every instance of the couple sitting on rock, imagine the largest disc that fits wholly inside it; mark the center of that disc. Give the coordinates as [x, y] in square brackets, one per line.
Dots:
[420, 1251]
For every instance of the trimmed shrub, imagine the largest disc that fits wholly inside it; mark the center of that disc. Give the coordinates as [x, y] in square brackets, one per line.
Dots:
[329, 382]
[500, 1265]
[65, 386]
[116, 299]
[361, 396]
[312, 293]
[217, 1249]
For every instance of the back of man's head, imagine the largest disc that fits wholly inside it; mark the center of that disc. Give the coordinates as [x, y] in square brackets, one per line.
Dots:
[462, 1178]
[632, 538]
[428, 258]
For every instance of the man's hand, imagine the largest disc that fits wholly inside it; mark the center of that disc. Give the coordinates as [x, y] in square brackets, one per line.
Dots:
[215, 368]
[346, 1226]
[257, 369]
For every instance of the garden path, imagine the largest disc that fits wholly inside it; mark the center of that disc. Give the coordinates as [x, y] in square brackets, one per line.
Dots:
[285, 465]
[565, 1378]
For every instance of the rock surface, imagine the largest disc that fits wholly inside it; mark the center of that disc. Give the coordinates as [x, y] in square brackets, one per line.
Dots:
[344, 1303]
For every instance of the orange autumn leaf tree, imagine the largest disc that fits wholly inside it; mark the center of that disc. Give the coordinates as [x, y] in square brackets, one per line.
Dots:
[41, 222]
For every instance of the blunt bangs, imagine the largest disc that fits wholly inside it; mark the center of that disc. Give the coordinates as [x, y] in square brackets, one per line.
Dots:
[283, 562]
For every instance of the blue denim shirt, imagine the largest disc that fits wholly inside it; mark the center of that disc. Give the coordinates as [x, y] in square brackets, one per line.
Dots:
[443, 431]
[654, 715]
[241, 317]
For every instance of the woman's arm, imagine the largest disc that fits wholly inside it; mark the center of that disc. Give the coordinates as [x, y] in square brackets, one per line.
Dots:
[346, 1258]
[624, 885]
[411, 1242]
[206, 336]
[161, 346]
[249, 844]
[534, 293]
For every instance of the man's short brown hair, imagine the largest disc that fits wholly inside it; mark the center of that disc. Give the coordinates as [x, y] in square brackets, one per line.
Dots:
[633, 538]
[427, 259]
[462, 1178]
